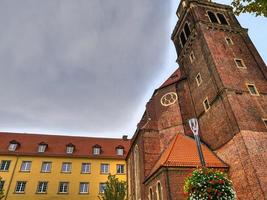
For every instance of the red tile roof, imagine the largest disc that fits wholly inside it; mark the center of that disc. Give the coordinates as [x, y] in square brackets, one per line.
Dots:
[176, 76]
[182, 152]
[57, 145]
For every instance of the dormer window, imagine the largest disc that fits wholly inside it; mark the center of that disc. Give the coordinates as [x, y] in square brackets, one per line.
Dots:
[42, 147]
[13, 145]
[70, 148]
[119, 150]
[96, 149]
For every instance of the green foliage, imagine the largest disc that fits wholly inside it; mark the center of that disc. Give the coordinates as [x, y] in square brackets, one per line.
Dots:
[115, 189]
[208, 184]
[1, 191]
[259, 7]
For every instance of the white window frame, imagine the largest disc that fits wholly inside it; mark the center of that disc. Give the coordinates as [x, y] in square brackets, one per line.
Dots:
[41, 148]
[66, 167]
[200, 79]
[42, 187]
[20, 187]
[120, 151]
[192, 56]
[46, 167]
[264, 120]
[69, 149]
[5, 164]
[12, 147]
[231, 41]
[120, 169]
[25, 166]
[87, 167]
[96, 150]
[242, 62]
[159, 197]
[84, 188]
[64, 186]
[104, 168]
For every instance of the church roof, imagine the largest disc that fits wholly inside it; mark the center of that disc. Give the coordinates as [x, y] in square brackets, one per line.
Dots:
[182, 152]
[176, 76]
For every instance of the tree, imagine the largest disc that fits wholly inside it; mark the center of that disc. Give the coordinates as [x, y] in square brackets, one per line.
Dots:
[1, 191]
[208, 184]
[115, 189]
[259, 7]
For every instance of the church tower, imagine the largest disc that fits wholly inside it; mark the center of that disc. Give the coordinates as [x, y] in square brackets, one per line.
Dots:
[225, 87]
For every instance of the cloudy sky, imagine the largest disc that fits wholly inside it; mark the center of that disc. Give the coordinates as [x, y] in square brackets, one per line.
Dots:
[87, 67]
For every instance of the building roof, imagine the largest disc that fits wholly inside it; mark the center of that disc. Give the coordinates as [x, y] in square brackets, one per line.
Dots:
[182, 152]
[56, 145]
[176, 76]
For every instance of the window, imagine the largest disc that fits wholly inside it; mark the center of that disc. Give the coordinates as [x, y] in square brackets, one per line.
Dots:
[252, 89]
[25, 166]
[20, 187]
[150, 194]
[229, 41]
[240, 63]
[46, 167]
[84, 188]
[2, 183]
[70, 148]
[42, 187]
[182, 38]
[198, 79]
[192, 56]
[86, 168]
[222, 19]
[120, 169]
[206, 104]
[187, 30]
[13, 145]
[96, 149]
[120, 151]
[212, 17]
[159, 189]
[42, 147]
[265, 121]
[104, 168]
[5, 165]
[66, 167]
[102, 187]
[63, 187]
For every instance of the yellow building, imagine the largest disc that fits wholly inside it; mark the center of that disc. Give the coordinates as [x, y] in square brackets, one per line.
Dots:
[59, 167]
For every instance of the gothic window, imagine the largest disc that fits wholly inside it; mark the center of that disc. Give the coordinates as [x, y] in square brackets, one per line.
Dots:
[198, 79]
[240, 63]
[229, 41]
[252, 89]
[159, 191]
[137, 173]
[206, 104]
[150, 194]
[222, 19]
[187, 30]
[182, 38]
[212, 17]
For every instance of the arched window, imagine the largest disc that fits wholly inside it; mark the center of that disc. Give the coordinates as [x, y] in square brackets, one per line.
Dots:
[137, 173]
[222, 19]
[182, 38]
[212, 17]
[159, 190]
[187, 30]
[150, 194]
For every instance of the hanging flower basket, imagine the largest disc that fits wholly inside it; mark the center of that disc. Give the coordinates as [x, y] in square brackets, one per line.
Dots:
[208, 184]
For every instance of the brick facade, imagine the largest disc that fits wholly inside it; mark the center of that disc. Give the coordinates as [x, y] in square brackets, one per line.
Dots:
[232, 126]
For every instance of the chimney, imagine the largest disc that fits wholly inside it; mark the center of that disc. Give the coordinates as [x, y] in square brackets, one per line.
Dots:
[125, 137]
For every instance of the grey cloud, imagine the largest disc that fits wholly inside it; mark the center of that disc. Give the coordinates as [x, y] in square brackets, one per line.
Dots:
[81, 66]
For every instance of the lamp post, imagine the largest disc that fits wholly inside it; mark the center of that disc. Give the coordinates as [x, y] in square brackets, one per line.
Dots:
[193, 123]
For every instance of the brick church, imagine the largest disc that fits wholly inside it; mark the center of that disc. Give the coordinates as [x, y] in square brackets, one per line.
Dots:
[221, 81]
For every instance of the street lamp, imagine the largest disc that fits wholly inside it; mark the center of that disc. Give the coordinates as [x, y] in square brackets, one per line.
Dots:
[193, 123]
